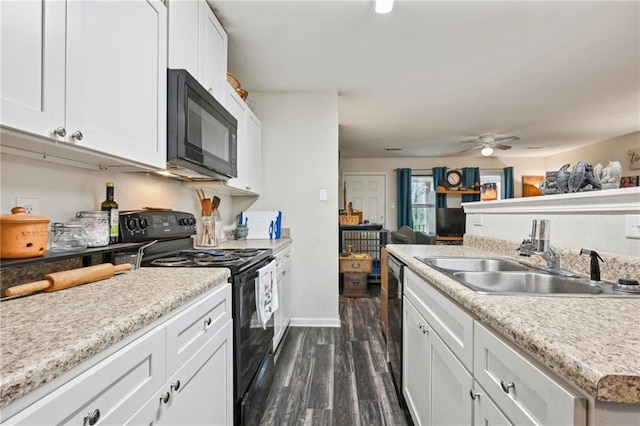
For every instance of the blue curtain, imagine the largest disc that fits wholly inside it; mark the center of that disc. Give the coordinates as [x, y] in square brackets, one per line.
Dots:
[471, 179]
[439, 175]
[405, 216]
[509, 191]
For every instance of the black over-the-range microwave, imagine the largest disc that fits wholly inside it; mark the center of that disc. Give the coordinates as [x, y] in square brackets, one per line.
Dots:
[201, 133]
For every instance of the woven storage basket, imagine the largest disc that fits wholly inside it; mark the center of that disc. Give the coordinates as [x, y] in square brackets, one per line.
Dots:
[233, 81]
[350, 219]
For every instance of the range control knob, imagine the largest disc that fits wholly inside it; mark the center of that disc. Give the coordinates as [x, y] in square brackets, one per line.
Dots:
[131, 224]
[182, 222]
[192, 221]
[143, 223]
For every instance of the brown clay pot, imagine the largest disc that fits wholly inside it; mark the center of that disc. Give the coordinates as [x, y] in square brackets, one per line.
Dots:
[23, 235]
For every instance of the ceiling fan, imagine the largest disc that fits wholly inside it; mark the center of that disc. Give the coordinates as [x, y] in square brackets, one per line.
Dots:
[487, 143]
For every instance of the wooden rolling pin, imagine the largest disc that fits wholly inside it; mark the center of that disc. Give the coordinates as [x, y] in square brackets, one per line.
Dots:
[71, 278]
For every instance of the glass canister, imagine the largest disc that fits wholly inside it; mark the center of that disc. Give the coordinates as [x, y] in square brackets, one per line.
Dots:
[96, 227]
[67, 236]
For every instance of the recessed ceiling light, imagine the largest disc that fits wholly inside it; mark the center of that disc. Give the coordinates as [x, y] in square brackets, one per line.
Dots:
[393, 149]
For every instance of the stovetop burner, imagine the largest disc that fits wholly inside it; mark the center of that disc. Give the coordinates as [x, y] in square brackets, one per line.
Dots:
[245, 252]
[171, 261]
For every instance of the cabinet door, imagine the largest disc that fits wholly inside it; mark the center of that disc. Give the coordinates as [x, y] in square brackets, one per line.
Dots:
[113, 389]
[33, 65]
[253, 151]
[449, 399]
[213, 53]
[236, 106]
[200, 393]
[415, 364]
[184, 36]
[485, 412]
[116, 78]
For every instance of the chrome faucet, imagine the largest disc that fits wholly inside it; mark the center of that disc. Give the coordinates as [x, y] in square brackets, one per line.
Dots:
[539, 244]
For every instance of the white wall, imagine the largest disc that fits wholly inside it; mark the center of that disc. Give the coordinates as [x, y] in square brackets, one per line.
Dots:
[615, 149]
[300, 157]
[522, 166]
[64, 190]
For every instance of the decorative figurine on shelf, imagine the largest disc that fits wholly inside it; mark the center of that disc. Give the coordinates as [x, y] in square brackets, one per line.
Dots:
[581, 178]
[550, 184]
[610, 175]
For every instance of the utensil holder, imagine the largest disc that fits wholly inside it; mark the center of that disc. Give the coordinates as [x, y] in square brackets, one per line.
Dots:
[208, 231]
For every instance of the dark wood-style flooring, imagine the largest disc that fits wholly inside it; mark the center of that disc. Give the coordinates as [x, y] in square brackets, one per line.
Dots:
[336, 376]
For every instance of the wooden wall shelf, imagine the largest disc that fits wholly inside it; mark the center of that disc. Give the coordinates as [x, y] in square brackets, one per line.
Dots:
[468, 191]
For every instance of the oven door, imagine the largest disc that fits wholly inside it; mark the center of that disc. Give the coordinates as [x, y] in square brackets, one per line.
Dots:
[252, 348]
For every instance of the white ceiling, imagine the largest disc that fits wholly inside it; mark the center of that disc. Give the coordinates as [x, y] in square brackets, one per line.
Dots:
[433, 73]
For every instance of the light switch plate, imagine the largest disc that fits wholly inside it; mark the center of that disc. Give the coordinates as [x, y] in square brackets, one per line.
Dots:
[632, 226]
[323, 195]
[477, 220]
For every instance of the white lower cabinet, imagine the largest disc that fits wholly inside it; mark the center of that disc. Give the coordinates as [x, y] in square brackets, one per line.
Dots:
[178, 373]
[436, 387]
[282, 316]
[444, 350]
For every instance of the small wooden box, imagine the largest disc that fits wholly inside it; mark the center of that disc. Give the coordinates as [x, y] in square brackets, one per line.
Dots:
[355, 285]
[356, 264]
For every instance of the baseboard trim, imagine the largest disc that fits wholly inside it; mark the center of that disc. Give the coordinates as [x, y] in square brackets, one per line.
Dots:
[314, 322]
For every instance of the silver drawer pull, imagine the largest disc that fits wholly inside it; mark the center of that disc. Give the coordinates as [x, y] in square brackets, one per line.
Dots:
[77, 135]
[473, 394]
[60, 131]
[507, 386]
[92, 418]
[165, 398]
[207, 322]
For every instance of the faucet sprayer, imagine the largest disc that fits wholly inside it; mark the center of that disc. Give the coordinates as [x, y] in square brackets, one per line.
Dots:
[595, 265]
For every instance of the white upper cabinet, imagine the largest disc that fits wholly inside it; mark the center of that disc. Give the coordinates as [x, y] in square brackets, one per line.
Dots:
[198, 43]
[248, 180]
[212, 72]
[90, 74]
[116, 78]
[33, 72]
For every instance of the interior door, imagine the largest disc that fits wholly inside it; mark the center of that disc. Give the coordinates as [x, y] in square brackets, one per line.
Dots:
[367, 192]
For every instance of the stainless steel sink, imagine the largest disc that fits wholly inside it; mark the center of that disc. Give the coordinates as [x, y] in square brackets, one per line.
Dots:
[524, 282]
[473, 264]
[509, 277]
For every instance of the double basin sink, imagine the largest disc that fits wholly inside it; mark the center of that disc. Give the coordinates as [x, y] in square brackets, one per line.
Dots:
[506, 276]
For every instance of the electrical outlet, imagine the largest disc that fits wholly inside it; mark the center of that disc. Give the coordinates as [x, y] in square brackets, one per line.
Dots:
[31, 205]
[632, 226]
[477, 220]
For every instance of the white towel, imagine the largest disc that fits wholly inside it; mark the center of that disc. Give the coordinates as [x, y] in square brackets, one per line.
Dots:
[266, 293]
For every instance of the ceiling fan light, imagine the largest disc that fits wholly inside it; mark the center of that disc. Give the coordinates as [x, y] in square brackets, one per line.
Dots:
[384, 6]
[486, 151]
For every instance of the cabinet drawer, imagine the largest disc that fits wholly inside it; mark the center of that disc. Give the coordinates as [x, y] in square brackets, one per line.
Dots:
[450, 322]
[355, 284]
[116, 387]
[283, 259]
[355, 264]
[191, 329]
[526, 394]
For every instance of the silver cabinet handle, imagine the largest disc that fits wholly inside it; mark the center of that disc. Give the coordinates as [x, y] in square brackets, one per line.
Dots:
[175, 386]
[207, 322]
[507, 386]
[77, 135]
[92, 418]
[473, 394]
[60, 131]
[165, 398]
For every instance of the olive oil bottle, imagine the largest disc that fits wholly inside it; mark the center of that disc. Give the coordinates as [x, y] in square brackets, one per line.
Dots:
[110, 205]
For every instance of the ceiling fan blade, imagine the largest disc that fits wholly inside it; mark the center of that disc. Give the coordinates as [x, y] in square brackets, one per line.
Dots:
[471, 141]
[471, 149]
[507, 138]
[503, 147]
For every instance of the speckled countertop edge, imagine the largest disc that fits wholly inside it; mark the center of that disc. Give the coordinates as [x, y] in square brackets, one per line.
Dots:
[45, 335]
[591, 342]
[275, 245]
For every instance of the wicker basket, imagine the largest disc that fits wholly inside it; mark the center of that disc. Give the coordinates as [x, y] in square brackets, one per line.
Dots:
[350, 219]
[233, 81]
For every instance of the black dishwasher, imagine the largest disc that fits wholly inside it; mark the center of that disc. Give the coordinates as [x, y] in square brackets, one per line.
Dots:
[394, 339]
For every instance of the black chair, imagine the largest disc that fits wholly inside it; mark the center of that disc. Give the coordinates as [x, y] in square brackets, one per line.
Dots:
[406, 235]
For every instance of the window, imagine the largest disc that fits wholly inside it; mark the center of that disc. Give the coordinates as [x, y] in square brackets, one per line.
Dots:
[423, 203]
[493, 176]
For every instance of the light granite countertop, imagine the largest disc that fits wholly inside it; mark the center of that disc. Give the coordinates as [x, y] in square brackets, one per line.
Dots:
[45, 335]
[275, 245]
[591, 342]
